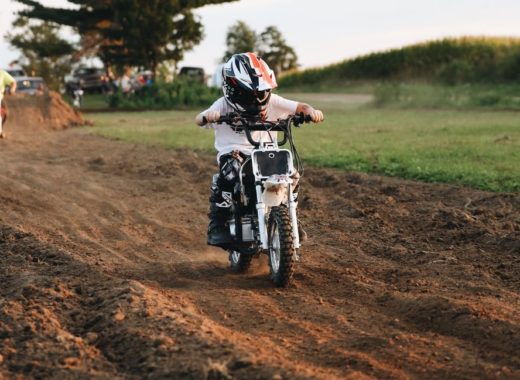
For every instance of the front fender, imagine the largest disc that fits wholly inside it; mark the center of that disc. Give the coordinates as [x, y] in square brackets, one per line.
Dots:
[276, 190]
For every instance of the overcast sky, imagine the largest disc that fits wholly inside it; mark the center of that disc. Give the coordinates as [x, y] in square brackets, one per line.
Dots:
[328, 31]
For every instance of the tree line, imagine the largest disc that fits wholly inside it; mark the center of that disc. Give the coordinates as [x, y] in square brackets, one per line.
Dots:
[128, 33]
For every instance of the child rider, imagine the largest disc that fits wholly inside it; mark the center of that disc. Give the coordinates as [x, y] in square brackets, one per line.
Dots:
[247, 85]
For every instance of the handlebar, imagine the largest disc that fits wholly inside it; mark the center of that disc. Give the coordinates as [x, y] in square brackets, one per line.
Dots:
[249, 124]
[256, 124]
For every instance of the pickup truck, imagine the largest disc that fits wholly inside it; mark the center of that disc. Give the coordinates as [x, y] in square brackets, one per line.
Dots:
[30, 85]
[89, 79]
[194, 73]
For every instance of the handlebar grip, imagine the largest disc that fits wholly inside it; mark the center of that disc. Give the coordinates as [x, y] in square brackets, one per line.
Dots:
[301, 118]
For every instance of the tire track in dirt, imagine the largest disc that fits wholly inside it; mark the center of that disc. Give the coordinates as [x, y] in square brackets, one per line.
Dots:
[106, 249]
[83, 323]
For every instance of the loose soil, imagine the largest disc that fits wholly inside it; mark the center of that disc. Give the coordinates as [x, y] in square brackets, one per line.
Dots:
[105, 273]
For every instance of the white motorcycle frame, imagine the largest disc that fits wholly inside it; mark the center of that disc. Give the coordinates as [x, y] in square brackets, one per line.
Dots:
[263, 209]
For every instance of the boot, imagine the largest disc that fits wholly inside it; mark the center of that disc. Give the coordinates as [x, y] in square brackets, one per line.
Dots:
[218, 231]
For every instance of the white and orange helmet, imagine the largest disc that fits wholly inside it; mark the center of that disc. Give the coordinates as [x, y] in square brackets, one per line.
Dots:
[247, 83]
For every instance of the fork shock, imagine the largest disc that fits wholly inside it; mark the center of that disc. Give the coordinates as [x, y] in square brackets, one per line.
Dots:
[294, 218]
[260, 208]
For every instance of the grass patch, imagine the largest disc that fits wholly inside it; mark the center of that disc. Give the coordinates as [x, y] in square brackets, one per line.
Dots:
[90, 101]
[474, 148]
[478, 149]
[170, 129]
[337, 86]
[94, 101]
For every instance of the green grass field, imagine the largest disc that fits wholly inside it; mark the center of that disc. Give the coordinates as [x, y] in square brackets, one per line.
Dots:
[480, 149]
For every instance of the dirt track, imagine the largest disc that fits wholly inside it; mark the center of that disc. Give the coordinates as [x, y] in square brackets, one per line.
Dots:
[105, 274]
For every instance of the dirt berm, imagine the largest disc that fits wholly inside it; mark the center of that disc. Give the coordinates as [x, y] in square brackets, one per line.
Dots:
[47, 110]
[105, 273]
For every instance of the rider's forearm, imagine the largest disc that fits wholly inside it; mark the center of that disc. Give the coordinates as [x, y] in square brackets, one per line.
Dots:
[305, 108]
[13, 88]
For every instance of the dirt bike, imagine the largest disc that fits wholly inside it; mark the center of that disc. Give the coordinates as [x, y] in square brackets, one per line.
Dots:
[263, 212]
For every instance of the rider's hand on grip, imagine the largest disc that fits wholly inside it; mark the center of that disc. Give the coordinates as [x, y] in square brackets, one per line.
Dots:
[211, 117]
[316, 116]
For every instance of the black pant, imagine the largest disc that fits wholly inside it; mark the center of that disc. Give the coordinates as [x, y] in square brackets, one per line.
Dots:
[223, 185]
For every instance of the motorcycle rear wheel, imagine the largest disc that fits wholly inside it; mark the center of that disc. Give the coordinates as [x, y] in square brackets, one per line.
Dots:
[282, 253]
[239, 262]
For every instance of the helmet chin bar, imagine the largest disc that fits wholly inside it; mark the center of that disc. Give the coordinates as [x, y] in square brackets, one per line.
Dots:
[254, 110]
[251, 110]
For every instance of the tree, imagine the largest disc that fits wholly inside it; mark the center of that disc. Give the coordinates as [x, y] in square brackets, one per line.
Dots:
[240, 38]
[130, 32]
[273, 48]
[43, 50]
[270, 45]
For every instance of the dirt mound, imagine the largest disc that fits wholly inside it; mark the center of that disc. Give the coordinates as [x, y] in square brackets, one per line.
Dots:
[48, 110]
[105, 274]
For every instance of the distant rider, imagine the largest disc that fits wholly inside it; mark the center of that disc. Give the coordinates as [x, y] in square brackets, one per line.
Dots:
[247, 86]
[5, 80]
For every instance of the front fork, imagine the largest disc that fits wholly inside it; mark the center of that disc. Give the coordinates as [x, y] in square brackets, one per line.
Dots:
[260, 208]
[294, 219]
[262, 224]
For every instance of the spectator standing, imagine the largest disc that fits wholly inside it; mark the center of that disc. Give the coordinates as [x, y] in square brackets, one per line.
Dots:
[5, 80]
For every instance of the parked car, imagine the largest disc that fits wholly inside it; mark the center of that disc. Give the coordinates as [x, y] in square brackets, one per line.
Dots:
[16, 71]
[89, 79]
[195, 73]
[30, 85]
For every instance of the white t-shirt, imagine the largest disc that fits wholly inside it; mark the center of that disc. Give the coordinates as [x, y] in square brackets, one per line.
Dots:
[227, 140]
[125, 83]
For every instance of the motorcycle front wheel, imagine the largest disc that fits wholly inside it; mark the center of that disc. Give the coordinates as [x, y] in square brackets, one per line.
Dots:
[239, 262]
[282, 253]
